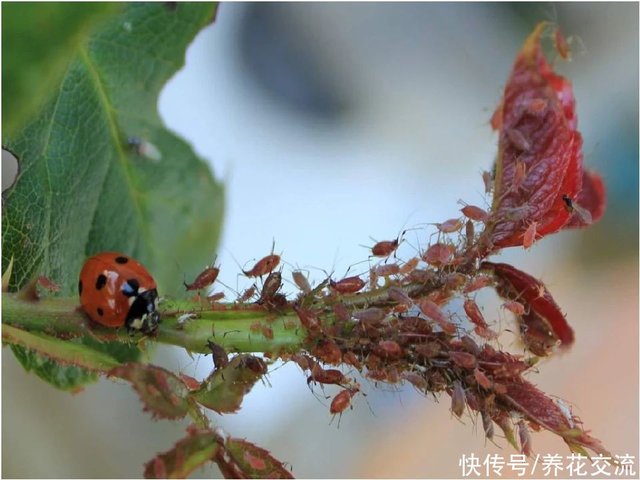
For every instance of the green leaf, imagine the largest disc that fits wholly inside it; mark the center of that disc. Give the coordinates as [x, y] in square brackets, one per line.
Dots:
[64, 377]
[38, 41]
[82, 188]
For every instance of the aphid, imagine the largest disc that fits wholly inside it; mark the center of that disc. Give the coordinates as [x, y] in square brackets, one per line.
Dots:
[307, 318]
[350, 359]
[247, 294]
[347, 285]
[439, 254]
[519, 174]
[301, 281]
[271, 285]
[514, 307]
[431, 310]
[463, 359]
[343, 399]
[385, 248]
[183, 319]
[328, 352]
[255, 364]
[482, 379]
[487, 424]
[470, 345]
[204, 279]
[326, 377]
[263, 266]
[416, 380]
[537, 106]
[458, 399]
[144, 148]
[388, 349]
[409, 266]
[48, 284]
[399, 295]
[496, 118]
[219, 355]
[387, 270]
[469, 233]
[450, 226]
[477, 282]
[267, 331]
[525, 438]
[341, 312]
[487, 179]
[562, 46]
[473, 312]
[214, 297]
[529, 236]
[475, 213]
[370, 316]
[518, 140]
[566, 412]
[581, 212]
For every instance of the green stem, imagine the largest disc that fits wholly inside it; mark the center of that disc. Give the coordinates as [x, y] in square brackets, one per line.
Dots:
[228, 325]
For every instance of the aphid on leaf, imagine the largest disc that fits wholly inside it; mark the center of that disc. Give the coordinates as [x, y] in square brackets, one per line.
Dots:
[204, 279]
[301, 281]
[525, 438]
[458, 399]
[529, 235]
[220, 356]
[342, 400]
[347, 285]
[519, 174]
[475, 213]
[581, 212]
[514, 307]
[518, 140]
[487, 424]
[144, 148]
[263, 266]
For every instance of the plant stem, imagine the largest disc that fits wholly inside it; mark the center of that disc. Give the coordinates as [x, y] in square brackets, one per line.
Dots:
[228, 325]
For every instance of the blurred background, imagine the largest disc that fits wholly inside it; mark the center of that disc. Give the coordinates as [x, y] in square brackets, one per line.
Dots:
[337, 124]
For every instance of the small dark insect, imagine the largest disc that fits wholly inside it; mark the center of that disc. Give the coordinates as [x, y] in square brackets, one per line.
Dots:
[220, 357]
[342, 400]
[347, 285]
[581, 212]
[263, 266]
[204, 279]
[247, 294]
[271, 285]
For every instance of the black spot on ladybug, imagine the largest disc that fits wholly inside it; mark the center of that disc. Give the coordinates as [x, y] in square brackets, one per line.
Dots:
[80, 287]
[100, 312]
[122, 260]
[101, 281]
[130, 287]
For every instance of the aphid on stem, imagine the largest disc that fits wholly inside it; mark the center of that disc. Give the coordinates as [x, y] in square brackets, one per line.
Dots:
[301, 282]
[475, 213]
[347, 285]
[204, 279]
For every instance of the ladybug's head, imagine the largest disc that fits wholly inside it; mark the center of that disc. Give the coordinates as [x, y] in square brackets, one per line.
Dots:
[143, 316]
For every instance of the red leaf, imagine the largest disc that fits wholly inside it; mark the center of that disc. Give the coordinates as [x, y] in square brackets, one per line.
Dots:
[544, 324]
[540, 150]
[241, 459]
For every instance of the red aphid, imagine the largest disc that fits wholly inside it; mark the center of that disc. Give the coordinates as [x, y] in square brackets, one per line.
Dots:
[328, 352]
[247, 294]
[431, 310]
[387, 270]
[450, 226]
[371, 316]
[514, 307]
[44, 282]
[463, 359]
[342, 400]
[389, 349]
[475, 213]
[477, 282]
[263, 266]
[473, 312]
[255, 327]
[519, 174]
[350, 358]
[214, 297]
[398, 295]
[487, 424]
[529, 235]
[267, 332]
[562, 46]
[341, 312]
[439, 254]
[482, 379]
[416, 380]
[326, 377]
[307, 318]
[347, 285]
[385, 248]
[204, 279]
[409, 266]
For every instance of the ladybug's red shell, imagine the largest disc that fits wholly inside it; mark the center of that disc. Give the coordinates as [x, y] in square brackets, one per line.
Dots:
[116, 290]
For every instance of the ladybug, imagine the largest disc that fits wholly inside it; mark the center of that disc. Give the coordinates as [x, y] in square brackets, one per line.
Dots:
[116, 290]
